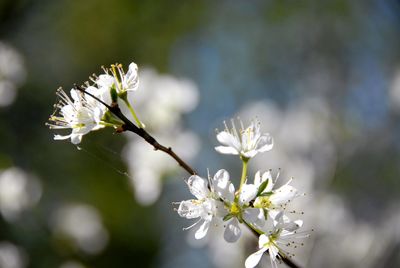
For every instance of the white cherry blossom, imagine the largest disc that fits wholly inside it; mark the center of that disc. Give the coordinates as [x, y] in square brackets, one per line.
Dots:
[283, 234]
[238, 207]
[122, 81]
[82, 114]
[245, 142]
[206, 207]
[269, 198]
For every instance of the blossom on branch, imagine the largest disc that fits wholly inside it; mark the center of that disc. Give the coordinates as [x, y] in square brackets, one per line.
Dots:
[283, 234]
[117, 78]
[237, 205]
[270, 199]
[207, 206]
[81, 114]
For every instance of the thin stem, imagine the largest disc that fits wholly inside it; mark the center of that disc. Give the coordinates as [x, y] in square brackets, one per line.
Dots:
[129, 126]
[106, 124]
[244, 174]
[128, 104]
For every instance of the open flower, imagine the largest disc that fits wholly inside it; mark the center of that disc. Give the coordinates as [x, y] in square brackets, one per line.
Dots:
[283, 234]
[82, 114]
[246, 143]
[207, 207]
[122, 81]
[238, 206]
[270, 199]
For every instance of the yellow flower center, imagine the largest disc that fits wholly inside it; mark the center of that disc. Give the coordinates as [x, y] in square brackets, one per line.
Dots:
[262, 202]
[234, 209]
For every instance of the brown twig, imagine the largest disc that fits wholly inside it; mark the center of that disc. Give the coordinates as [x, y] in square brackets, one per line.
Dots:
[129, 126]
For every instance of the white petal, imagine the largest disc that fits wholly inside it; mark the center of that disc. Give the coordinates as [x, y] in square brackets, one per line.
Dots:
[223, 186]
[288, 225]
[198, 187]
[265, 143]
[267, 176]
[92, 90]
[131, 79]
[257, 179]
[202, 231]
[262, 240]
[105, 81]
[74, 95]
[228, 139]
[275, 215]
[189, 209]
[232, 231]
[283, 195]
[254, 258]
[254, 216]
[249, 154]
[248, 193]
[226, 150]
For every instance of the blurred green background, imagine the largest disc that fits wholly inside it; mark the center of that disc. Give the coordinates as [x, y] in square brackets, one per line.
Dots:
[322, 76]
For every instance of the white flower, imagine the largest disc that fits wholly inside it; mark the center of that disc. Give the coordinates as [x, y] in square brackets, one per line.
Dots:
[269, 198]
[206, 207]
[283, 234]
[122, 81]
[238, 207]
[246, 143]
[82, 114]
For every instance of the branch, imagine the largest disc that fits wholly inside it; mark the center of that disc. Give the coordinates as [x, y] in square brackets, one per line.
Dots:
[129, 126]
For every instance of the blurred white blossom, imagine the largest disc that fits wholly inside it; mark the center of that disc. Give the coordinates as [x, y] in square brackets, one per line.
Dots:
[12, 256]
[160, 104]
[163, 99]
[303, 137]
[18, 192]
[12, 73]
[82, 225]
[394, 92]
[147, 166]
[71, 264]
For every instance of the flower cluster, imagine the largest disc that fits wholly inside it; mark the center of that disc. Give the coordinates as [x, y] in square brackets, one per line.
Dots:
[83, 112]
[259, 205]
